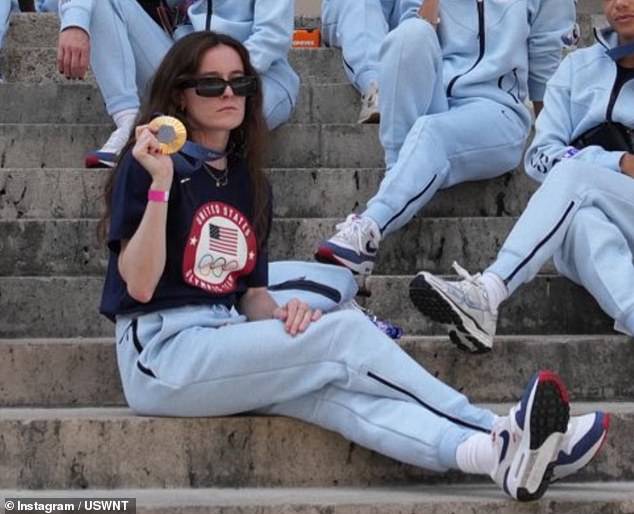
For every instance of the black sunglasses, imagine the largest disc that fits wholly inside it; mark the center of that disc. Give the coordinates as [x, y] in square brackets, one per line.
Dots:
[246, 85]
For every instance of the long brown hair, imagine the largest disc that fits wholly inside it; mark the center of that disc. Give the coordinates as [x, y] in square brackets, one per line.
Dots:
[183, 60]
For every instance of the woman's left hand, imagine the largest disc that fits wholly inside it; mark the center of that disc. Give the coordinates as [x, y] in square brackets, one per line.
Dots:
[296, 315]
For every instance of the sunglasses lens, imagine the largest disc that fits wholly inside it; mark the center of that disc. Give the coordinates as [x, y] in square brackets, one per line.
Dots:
[211, 87]
[243, 86]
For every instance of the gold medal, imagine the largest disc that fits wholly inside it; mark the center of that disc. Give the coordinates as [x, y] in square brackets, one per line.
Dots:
[171, 133]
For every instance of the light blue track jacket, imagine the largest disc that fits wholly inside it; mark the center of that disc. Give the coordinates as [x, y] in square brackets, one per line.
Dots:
[580, 96]
[503, 50]
[264, 26]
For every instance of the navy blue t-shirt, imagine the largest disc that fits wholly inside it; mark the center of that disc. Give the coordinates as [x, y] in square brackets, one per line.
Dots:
[212, 251]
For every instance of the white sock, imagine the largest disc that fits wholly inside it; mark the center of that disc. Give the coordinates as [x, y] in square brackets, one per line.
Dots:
[125, 118]
[477, 455]
[496, 289]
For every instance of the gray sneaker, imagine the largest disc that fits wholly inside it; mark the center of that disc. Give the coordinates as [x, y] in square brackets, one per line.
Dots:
[462, 305]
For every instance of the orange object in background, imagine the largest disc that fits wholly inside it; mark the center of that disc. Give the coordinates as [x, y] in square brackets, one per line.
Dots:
[306, 38]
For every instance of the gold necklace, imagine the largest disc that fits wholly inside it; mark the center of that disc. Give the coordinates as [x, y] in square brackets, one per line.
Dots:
[222, 179]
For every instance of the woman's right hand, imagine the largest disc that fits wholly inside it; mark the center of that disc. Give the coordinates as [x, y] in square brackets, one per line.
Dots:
[147, 151]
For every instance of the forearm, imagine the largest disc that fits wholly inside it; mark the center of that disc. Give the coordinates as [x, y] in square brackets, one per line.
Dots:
[142, 260]
[257, 304]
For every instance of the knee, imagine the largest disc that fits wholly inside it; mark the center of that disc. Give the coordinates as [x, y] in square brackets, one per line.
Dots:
[411, 39]
[571, 175]
[580, 233]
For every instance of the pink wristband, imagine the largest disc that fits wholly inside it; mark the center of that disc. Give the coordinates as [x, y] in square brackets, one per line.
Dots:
[158, 196]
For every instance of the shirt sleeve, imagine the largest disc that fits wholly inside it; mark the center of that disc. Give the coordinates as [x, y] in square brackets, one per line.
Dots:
[129, 199]
[552, 22]
[259, 277]
[75, 13]
[554, 131]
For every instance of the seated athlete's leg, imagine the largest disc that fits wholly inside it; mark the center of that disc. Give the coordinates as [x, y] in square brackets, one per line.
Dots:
[358, 27]
[182, 366]
[518, 451]
[126, 48]
[469, 307]
[597, 254]
[471, 141]
[410, 81]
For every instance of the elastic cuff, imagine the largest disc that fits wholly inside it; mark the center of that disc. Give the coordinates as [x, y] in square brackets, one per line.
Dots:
[448, 446]
[536, 91]
[626, 324]
[75, 17]
[122, 103]
[379, 212]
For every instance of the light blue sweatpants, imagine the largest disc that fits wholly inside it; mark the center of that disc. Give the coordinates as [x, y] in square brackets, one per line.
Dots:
[6, 6]
[432, 142]
[359, 27]
[342, 374]
[583, 216]
[127, 47]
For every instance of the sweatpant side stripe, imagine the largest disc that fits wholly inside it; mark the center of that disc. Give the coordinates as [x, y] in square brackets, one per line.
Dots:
[541, 243]
[410, 202]
[427, 406]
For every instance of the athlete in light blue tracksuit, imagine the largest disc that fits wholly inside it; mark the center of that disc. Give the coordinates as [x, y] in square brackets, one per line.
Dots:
[452, 107]
[188, 249]
[582, 214]
[127, 46]
[359, 27]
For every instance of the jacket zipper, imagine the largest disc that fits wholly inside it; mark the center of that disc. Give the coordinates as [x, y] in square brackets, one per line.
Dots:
[308, 285]
[482, 39]
[614, 95]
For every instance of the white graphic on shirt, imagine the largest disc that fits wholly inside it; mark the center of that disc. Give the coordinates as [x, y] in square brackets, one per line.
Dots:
[220, 248]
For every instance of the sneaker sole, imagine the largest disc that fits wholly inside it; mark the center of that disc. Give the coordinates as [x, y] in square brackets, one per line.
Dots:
[532, 467]
[433, 304]
[373, 118]
[562, 471]
[327, 255]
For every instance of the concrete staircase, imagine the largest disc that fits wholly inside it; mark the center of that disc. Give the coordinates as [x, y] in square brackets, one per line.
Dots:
[64, 427]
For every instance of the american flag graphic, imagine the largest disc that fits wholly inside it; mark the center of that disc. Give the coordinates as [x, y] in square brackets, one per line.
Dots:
[223, 240]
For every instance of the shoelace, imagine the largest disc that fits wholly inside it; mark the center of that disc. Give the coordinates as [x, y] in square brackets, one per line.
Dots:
[351, 228]
[463, 273]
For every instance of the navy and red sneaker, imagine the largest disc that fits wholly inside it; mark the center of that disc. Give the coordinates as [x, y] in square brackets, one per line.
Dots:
[98, 159]
[354, 246]
[529, 438]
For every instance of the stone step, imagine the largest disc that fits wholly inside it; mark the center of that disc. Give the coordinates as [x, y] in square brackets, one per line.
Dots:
[82, 103]
[67, 307]
[298, 193]
[292, 145]
[112, 448]
[81, 372]
[562, 498]
[36, 65]
[33, 247]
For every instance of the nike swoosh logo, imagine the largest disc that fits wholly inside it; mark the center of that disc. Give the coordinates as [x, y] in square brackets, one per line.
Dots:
[506, 437]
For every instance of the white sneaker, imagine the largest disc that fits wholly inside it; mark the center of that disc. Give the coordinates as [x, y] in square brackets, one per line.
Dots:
[583, 440]
[354, 246]
[462, 305]
[370, 105]
[528, 438]
[109, 153]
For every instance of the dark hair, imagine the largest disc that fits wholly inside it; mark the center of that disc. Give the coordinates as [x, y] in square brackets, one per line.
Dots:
[248, 140]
